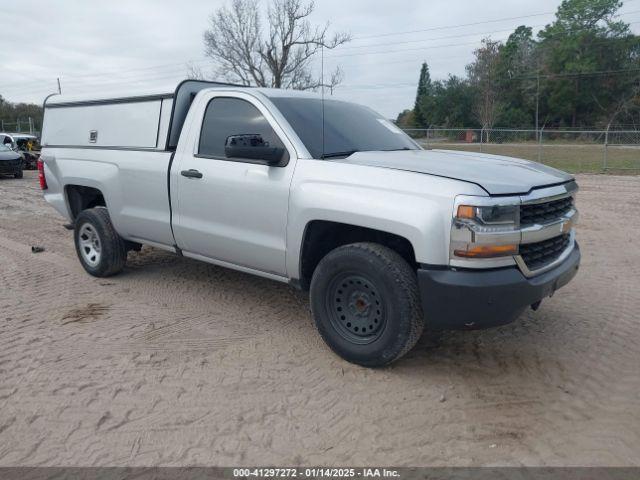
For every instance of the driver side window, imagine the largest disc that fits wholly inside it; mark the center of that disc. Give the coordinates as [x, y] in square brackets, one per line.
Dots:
[228, 117]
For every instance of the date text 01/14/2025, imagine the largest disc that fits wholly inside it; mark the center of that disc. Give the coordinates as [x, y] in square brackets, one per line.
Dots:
[315, 472]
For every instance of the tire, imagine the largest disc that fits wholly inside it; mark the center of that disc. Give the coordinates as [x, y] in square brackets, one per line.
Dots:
[18, 174]
[366, 305]
[101, 250]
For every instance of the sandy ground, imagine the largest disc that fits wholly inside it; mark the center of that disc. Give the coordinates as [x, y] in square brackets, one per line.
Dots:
[176, 362]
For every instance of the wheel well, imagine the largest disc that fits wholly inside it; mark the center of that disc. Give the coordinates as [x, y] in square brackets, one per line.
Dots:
[321, 237]
[80, 198]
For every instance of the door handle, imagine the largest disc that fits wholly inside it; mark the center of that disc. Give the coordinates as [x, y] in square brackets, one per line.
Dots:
[191, 173]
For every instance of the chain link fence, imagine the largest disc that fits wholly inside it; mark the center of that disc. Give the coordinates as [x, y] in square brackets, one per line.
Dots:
[570, 150]
[26, 125]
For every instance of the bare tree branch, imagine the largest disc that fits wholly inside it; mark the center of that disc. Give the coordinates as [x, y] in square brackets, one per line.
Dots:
[483, 73]
[194, 72]
[627, 102]
[279, 56]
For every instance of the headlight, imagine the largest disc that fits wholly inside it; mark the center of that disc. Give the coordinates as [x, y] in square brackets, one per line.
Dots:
[489, 215]
[485, 231]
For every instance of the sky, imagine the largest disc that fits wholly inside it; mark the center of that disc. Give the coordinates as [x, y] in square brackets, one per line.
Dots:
[119, 45]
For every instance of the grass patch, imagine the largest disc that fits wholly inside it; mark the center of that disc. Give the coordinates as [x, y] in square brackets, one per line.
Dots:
[573, 158]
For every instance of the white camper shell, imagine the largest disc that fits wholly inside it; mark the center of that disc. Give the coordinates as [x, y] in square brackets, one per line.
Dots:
[152, 121]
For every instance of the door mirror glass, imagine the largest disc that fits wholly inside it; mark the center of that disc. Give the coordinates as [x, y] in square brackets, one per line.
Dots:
[252, 147]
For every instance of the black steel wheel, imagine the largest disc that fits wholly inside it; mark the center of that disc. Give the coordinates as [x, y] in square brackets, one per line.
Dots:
[365, 303]
[355, 308]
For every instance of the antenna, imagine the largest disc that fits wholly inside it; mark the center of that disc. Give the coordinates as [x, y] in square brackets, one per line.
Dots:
[322, 87]
[59, 89]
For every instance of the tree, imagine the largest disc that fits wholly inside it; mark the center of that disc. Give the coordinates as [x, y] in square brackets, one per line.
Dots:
[281, 58]
[452, 103]
[195, 72]
[628, 102]
[582, 70]
[586, 38]
[484, 76]
[11, 113]
[405, 119]
[516, 79]
[424, 91]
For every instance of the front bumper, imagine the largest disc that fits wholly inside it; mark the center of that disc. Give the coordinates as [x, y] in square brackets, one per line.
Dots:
[455, 299]
[10, 167]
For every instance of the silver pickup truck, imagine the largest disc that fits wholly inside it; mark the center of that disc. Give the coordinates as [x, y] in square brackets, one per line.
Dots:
[325, 195]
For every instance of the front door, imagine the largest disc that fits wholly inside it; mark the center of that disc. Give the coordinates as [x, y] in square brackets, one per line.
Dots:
[228, 208]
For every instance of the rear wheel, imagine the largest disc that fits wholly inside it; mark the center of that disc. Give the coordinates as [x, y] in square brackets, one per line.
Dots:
[102, 252]
[365, 303]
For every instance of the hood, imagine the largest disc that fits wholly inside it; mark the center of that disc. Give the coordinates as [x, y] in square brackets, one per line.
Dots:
[496, 174]
[9, 156]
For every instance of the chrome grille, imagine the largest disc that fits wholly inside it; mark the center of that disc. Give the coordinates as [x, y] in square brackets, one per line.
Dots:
[540, 254]
[541, 213]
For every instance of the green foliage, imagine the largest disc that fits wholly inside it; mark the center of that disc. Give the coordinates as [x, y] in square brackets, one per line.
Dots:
[484, 77]
[518, 58]
[421, 106]
[515, 117]
[586, 38]
[406, 119]
[452, 103]
[560, 72]
[11, 112]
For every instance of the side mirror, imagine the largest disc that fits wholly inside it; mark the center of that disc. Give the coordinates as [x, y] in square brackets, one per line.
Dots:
[253, 147]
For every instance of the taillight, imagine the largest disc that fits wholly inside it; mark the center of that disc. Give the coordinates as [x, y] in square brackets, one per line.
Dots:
[41, 177]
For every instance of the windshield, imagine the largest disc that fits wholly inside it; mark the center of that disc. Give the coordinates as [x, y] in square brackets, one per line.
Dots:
[348, 127]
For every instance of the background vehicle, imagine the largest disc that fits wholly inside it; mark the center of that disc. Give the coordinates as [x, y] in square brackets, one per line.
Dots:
[10, 162]
[323, 194]
[29, 146]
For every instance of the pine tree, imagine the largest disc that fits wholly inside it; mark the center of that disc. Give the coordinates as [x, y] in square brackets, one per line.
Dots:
[424, 90]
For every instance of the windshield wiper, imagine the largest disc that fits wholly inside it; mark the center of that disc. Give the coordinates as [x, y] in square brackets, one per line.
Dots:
[348, 153]
[339, 154]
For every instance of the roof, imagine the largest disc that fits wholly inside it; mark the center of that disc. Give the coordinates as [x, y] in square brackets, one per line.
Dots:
[164, 92]
[281, 92]
[110, 95]
[18, 135]
[21, 135]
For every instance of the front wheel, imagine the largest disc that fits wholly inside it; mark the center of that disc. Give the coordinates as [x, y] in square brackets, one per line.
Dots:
[18, 174]
[102, 252]
[365, 303]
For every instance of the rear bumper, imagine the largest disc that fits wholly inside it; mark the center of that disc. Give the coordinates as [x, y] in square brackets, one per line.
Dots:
[468, 299]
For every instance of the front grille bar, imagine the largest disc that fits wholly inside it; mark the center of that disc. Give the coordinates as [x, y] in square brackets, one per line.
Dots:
[541, 213]
[537, 258]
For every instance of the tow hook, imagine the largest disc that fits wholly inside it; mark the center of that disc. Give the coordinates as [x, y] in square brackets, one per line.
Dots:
[535, 306]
